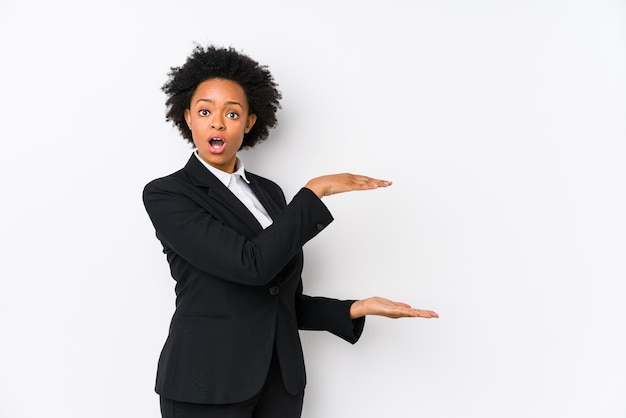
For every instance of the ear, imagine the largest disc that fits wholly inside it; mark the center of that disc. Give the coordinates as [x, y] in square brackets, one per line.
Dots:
[250, 122]
[188, 118]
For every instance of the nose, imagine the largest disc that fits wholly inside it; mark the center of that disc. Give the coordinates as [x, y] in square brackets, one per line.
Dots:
[217, 123]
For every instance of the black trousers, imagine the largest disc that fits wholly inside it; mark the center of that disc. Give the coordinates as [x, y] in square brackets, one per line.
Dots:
[273, 401]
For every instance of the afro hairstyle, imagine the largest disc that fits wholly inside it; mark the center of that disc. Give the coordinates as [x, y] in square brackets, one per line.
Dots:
[210, 62]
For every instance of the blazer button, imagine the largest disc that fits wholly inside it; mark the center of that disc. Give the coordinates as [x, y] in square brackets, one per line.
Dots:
[274, 290]
[320, 227]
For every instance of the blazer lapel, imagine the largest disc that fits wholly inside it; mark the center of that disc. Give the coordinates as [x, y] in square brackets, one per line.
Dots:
[219, 194]
[268, 203]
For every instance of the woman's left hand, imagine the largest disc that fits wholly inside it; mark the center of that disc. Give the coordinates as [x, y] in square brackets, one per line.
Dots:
[387, 308]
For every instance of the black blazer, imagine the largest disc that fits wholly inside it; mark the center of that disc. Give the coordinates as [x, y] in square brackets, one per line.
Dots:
[238, 286]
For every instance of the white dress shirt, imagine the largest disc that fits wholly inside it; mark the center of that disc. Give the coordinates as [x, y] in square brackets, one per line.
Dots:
[240, 186]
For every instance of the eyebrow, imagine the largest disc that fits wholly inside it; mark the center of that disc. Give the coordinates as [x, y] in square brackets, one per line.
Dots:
[230, 102]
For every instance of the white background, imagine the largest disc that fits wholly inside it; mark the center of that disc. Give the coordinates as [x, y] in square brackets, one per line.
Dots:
[501, 123]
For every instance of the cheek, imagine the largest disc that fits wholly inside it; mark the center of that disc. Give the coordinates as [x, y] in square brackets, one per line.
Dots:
[196, 126]
[196, 134]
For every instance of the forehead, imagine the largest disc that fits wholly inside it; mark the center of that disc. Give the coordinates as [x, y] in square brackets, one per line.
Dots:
[220, 90]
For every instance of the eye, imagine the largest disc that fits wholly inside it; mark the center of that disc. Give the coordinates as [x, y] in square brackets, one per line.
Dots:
[204, 112]
[232, 115]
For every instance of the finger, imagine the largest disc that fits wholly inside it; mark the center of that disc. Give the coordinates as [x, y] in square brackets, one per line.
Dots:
[375, 183]
[414, 313]
[402, 312]
[365, 182]
[426, 314]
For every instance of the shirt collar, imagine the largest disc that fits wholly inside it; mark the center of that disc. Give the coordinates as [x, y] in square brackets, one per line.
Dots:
[223, 176]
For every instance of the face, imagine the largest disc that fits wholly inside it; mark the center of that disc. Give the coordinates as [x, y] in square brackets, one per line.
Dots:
[218, 118]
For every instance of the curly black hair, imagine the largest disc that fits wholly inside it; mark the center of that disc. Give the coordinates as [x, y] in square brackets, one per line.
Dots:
[206, 63]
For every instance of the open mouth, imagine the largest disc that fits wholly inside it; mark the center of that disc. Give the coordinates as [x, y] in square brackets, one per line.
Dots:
[216, 142]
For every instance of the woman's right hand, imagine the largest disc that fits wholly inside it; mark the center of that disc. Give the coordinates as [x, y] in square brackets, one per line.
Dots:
[344, 182]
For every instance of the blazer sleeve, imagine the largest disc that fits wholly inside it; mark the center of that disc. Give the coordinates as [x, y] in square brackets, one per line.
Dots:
[316, 313]
[215, 248]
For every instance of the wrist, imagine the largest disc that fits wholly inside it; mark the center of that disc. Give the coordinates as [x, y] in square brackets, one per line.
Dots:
[357, 309]
[315, 187]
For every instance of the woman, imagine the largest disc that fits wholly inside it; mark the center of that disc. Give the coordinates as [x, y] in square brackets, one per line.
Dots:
[234, 247]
